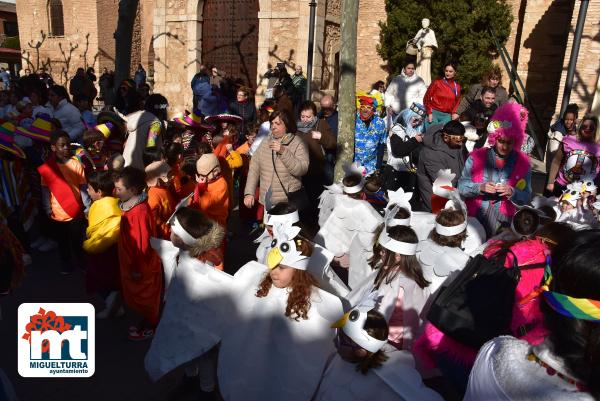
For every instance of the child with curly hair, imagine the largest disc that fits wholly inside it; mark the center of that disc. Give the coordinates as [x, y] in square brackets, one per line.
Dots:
[282, 338]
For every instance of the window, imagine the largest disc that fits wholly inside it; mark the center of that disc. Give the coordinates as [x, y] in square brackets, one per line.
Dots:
[56, 22]
[11, 28]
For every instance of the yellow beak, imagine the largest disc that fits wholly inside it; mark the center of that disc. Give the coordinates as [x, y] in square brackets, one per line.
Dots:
[341, 322]
[274, 258]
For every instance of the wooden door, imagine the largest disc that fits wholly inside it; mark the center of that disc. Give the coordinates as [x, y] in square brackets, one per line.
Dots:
[230, 38]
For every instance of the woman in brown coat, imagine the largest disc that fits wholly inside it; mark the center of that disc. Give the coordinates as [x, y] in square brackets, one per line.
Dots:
[278, 164]
[319, 139]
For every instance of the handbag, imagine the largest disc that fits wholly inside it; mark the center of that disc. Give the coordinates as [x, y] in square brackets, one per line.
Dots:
[297, 198]
[477, 305]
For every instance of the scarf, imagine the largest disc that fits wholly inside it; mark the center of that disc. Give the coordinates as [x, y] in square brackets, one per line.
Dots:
[133, 202]
[307, 127]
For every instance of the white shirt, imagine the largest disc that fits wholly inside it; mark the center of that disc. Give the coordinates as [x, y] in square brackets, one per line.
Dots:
[70, 119]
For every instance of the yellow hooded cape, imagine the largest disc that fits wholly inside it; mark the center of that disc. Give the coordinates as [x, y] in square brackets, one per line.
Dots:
[103, 230]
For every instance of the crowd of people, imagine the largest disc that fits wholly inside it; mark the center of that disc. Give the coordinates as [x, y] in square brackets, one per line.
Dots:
[430, 271]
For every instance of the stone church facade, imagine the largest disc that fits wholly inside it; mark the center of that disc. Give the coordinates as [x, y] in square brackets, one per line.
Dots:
[243, 37]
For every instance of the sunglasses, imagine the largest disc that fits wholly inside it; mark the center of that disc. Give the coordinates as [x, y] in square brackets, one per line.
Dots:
[587, 127]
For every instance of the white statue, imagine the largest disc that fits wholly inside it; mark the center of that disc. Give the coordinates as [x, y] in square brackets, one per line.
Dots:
[426, 43]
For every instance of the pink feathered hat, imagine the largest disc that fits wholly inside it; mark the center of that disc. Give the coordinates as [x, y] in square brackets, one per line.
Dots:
[508, 121]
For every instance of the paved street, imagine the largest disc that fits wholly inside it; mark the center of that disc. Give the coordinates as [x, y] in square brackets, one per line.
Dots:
[120, 374]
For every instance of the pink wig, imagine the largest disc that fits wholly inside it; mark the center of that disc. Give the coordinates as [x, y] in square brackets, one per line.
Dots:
[509, 121]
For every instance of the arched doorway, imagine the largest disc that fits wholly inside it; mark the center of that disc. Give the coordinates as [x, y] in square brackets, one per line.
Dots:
[230, 37]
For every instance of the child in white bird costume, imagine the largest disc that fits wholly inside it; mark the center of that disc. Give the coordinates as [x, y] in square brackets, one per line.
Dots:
[362, 370]
[349, 231]
[198, 306]
[278, 348]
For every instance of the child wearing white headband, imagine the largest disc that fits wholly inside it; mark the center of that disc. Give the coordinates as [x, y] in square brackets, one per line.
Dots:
[398, 279]
[192, 231]
[348, 226]
[441, 254]
[195, 291]
[362, 370]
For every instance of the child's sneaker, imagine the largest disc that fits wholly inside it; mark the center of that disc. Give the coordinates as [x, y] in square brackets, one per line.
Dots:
[141, 334]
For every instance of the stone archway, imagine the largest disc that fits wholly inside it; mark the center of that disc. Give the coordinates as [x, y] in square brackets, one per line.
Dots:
[194, 37]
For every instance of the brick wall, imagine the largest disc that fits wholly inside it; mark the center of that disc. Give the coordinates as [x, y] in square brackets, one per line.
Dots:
[587, 68]
[107, 22]
[541, 41]
[369, 66]
[61, 56]
[537, 47]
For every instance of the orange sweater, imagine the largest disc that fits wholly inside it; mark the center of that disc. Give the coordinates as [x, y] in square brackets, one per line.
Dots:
[214, 201]
[182, 184]
[162, 203]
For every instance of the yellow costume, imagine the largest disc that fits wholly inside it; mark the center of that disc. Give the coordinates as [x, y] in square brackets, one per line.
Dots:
[103, 230]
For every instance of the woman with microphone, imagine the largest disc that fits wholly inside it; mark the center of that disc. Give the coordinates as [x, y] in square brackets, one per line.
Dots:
[278, 165]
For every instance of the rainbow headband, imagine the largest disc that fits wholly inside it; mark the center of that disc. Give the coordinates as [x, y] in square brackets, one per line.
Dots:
[576, 308]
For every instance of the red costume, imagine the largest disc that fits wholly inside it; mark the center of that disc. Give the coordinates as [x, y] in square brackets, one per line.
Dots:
[137, 256]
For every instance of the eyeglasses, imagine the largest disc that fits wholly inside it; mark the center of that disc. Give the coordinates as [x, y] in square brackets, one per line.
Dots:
[588, 127]
[366, 107]
[455, 137]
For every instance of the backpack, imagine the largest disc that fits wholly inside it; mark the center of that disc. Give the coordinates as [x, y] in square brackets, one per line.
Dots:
[477, 305]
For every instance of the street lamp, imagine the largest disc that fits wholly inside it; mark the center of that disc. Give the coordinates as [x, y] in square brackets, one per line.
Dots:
[311, 47]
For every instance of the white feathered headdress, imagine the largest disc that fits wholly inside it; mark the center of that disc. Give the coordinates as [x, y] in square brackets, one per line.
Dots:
[400, 199]
[353, 322]
[399, 247]
[283, 247]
